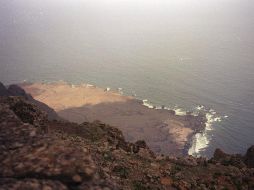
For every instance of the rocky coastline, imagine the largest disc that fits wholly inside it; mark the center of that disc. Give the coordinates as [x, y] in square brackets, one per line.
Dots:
[164, 131]
[42, 153]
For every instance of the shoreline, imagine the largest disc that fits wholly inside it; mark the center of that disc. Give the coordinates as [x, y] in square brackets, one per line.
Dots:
[192, 138]
[161, 127]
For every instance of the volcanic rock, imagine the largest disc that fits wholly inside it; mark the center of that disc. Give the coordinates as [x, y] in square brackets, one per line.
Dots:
[249, 157]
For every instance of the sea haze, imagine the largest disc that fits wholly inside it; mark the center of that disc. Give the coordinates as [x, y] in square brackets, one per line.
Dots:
[184, 54]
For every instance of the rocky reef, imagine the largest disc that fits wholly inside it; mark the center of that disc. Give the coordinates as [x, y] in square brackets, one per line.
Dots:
[39, 153]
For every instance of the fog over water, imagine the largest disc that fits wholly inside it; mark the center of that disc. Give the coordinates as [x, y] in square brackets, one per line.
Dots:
[171, 52]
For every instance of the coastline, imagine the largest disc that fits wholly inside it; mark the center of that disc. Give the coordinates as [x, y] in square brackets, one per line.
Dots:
[166, 131]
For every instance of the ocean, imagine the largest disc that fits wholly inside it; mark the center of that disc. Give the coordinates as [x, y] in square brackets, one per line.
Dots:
[187, 55]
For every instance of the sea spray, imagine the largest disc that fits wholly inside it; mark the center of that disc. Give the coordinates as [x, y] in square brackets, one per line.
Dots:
[201, 140]
[147, 104]
[179, 111]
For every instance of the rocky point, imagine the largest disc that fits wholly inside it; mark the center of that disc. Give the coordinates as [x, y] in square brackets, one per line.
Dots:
[38, 153]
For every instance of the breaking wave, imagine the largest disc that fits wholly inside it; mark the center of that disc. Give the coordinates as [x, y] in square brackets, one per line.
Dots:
[201, 140]
[148, 104]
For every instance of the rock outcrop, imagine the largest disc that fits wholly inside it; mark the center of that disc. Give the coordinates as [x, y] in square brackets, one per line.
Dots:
[3, 90]
[27, 112]
[15, 90]
[96, 156]
[249, 157]
[32, 159]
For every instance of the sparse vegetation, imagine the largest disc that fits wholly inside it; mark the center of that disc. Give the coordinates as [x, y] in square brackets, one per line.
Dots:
[72, 156]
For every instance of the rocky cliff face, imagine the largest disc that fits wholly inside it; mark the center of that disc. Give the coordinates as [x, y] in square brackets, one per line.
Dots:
[37, 153]
[15, 90]
[3, 90]
[32, 159]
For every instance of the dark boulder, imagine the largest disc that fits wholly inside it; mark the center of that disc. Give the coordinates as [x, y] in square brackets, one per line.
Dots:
[3, 90]
[220, 155]
[15, 90]
[228, 159]
[249, 157]
[27, 112]
[141, 144]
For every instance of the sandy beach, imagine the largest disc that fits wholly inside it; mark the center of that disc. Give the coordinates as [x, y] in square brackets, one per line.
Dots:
[163, 131]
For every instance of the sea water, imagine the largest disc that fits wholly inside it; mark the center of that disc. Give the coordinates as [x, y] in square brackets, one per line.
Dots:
[187, 55]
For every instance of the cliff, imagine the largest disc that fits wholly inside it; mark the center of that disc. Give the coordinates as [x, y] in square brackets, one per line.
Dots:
[38, 153]
[15, 90]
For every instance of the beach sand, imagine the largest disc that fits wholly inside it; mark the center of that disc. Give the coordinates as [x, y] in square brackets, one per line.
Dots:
[163, 131]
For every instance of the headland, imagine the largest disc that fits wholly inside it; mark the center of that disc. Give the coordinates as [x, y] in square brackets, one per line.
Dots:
[164, 131]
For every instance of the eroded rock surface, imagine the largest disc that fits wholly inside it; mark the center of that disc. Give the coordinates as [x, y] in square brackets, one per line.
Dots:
[249, 157]
[96, 156]
[31, 158]
[15, 90]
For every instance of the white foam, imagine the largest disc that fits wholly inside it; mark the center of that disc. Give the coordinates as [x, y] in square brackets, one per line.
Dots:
[212, 111]
[201, 140]
[107, 89]
[200, 107]
[179, 111]
[217, 119]
[89, 85]
[120, 90]
[147, 104]
[167, 108]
